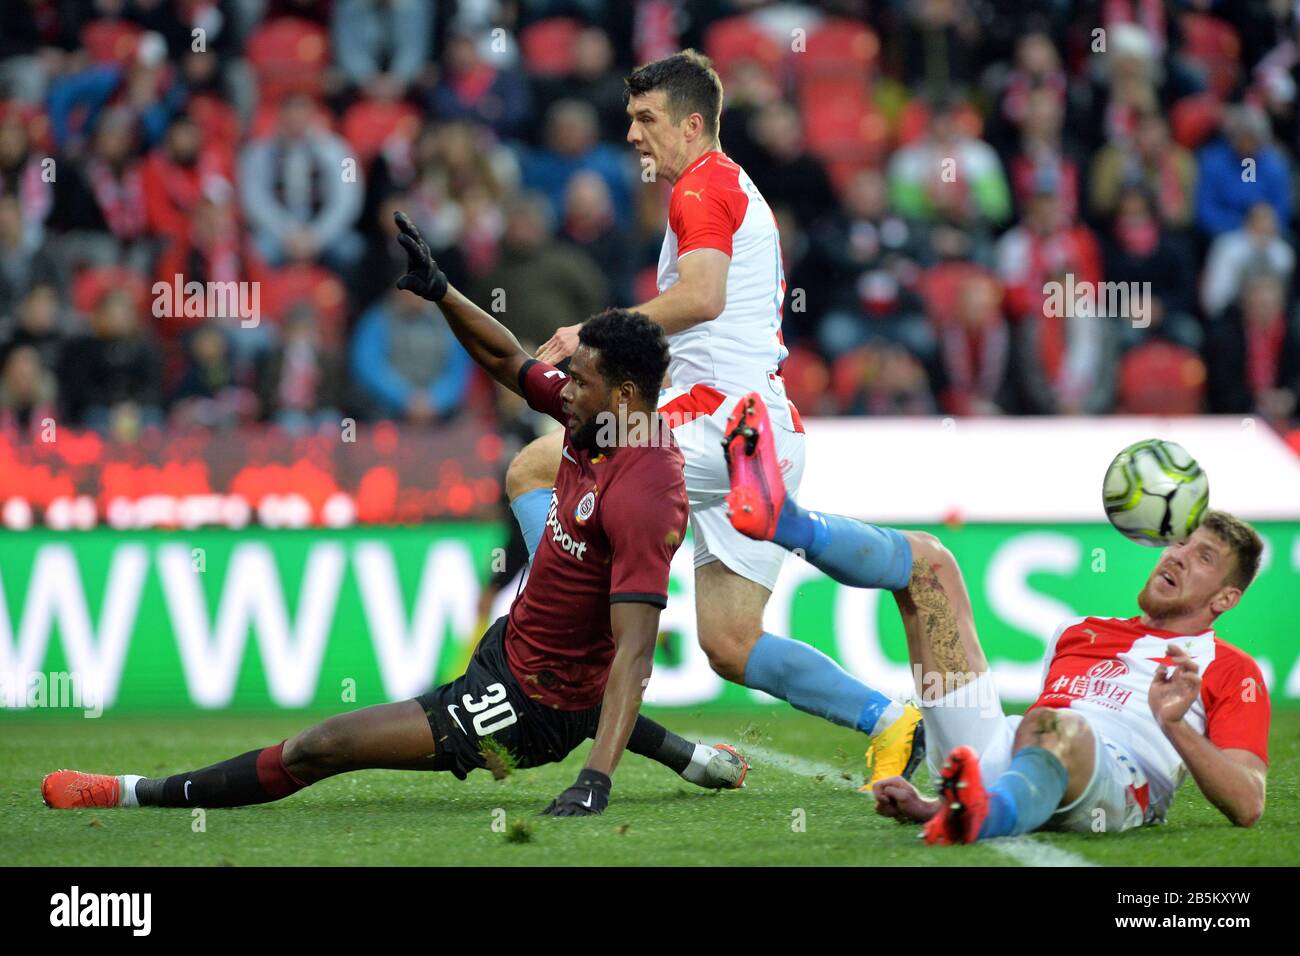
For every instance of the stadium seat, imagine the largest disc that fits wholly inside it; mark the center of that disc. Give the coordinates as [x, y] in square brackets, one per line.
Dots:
[1194, 119]
[733, 39]
[289, 54]
[89, 286]
[838, 47]
[548, 45]
[1214, 45]
[110, 41]
[368, 124]
[1161, 378]
[313, 284]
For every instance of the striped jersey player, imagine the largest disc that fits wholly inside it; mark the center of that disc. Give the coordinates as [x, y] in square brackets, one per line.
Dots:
[721, 287]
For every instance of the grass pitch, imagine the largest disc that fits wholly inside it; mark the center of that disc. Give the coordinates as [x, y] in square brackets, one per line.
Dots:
[798, 807]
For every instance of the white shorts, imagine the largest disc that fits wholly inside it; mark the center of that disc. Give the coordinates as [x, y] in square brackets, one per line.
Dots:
[707, 483]
[972, 715]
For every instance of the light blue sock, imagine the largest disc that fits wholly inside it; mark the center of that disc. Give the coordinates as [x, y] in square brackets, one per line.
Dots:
[815, 684]
[530, 510]
[1021, 800]
[852, 552]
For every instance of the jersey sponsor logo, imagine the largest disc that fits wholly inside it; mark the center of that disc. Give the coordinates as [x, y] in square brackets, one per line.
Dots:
[567, 542]
[586, 507]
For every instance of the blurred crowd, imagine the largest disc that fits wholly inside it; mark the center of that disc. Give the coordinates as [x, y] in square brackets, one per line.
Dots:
[934, 165]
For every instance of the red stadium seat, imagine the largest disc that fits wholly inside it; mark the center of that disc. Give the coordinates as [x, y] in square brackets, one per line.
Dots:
[110, 41]
[1161, 378]
[289, 54]
[90, 285]
[548, 45]
[313, 284]
[839, 47]
[729, 41]
[368, 124]
[1213, 44]
[1194, 119]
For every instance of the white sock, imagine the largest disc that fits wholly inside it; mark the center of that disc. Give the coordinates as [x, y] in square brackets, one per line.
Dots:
[126, 790]
[887, 717]
[695, 770]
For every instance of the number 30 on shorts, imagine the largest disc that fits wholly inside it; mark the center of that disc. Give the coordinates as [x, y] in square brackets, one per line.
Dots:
[492, 712]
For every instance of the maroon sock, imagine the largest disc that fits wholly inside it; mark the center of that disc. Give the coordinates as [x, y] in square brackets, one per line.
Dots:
[258, 776]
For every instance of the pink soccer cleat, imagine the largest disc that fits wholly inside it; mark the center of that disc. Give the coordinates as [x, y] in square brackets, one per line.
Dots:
[964, 801]
[757, 489]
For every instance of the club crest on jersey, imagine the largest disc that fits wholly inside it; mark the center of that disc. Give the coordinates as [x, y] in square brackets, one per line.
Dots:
[1108, 670]
[586, 507]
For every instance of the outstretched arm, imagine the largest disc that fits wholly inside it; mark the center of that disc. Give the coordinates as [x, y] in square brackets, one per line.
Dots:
[488, 342]
[1231, 779]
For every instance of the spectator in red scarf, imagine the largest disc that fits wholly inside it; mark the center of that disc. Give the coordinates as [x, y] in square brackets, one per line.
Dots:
[1152, 159]
[475, 90]
[1042, 149]
[175, 173]
[1253, 353]
[975, 347]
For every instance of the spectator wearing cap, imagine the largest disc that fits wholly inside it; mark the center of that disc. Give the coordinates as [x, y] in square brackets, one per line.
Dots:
[572, 147]
[295, 199]
[407, 363]
[949, 175]
[1238, 170]
[1254, 247]
[1253, 353]
[146, 87]
[382, 46]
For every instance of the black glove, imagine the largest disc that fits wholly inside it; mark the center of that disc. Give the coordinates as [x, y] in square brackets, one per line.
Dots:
[586, 798]
[423, 277]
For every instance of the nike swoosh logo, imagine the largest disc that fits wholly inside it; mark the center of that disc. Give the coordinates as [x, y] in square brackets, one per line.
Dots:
[187, 791]
[587, 802]
[451, 709]
[565, 453]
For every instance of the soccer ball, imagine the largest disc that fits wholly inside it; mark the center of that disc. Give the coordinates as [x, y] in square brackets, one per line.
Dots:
[1155, 493]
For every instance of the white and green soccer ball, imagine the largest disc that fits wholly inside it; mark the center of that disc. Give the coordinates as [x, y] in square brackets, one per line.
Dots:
[1155, 493]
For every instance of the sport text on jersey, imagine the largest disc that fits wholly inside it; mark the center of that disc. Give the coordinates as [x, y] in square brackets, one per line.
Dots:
[561, 537]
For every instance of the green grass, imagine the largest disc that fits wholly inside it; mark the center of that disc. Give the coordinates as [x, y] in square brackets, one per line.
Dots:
[387, 817]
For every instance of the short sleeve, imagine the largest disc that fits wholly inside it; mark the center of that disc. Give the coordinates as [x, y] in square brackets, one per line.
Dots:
[1237, 709]
[541, 384]
[644, 519]
[707, 217]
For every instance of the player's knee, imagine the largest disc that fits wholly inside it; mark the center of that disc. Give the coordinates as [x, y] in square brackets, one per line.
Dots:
[727, 649]
[313, 752]
[928, 548]
[530, 469]
[1060, 732]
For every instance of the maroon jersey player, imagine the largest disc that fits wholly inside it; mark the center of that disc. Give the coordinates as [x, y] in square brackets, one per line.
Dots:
[573, 657]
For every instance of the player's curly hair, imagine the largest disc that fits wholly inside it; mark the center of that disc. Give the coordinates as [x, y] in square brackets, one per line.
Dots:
[632, 349]
[690, 82]
[1242, 540]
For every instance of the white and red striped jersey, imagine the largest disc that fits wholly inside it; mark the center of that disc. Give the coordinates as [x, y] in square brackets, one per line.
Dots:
[715, 205]
[1103, 667]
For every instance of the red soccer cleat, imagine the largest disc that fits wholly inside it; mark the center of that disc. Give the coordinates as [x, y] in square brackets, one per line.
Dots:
[965, 801]
[74, 790]
[757, 489]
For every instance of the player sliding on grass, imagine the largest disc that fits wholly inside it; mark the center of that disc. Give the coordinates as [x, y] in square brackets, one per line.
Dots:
[574, 655]
[721, 290]
[1127, 707]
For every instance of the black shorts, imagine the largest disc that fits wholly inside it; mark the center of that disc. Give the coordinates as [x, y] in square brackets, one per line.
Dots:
[487, 702]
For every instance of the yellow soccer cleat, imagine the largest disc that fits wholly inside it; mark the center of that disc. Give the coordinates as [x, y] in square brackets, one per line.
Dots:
[897, 750]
